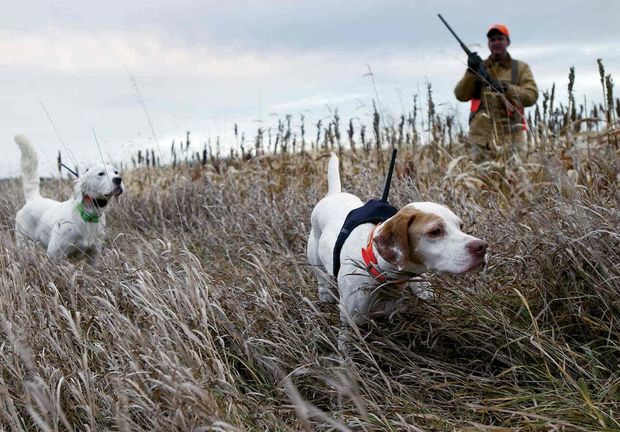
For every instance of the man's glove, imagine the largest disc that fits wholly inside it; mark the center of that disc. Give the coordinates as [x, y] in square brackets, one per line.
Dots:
[473, 62]
[498, 86]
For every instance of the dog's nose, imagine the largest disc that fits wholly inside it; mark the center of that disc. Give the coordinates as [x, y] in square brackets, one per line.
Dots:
[117, 181]
[478, 247]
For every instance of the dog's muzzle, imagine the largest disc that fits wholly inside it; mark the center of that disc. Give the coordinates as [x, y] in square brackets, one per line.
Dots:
[118, 188]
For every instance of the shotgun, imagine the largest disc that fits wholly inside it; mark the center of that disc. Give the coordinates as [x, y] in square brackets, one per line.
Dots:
[482, 71]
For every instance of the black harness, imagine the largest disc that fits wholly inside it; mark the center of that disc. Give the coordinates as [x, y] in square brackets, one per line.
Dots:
[374, 211]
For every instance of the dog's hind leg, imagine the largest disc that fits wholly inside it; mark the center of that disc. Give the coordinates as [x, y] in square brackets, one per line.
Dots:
[20, 238]
[21, 231]
[326, 288]
[324, 280]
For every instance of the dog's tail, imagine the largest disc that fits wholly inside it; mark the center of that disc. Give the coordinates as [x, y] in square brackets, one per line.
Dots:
[333, 176]
[29, 162]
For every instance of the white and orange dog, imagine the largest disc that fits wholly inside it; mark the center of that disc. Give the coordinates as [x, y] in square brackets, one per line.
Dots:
[421, 237]
[71, 229]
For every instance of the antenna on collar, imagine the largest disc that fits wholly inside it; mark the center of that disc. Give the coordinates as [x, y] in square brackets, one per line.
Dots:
[60, 164]
[388, 180]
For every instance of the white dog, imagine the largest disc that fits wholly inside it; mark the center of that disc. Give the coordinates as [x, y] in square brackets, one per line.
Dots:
[71, 229]
[418, 238]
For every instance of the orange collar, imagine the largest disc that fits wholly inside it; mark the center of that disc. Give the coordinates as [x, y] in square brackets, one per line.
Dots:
[370, 259]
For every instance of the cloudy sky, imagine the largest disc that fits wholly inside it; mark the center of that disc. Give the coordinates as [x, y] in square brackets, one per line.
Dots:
[130, 74]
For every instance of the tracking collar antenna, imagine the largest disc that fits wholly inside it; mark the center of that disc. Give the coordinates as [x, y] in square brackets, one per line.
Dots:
[388, 179]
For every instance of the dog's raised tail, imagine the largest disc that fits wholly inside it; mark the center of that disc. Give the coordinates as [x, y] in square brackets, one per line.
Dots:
[29, 163]
[333, 176]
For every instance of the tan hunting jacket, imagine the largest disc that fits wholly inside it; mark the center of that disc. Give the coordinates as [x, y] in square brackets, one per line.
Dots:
[499, 120]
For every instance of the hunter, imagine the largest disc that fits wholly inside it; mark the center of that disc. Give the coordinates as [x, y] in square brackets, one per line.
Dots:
[497, 123]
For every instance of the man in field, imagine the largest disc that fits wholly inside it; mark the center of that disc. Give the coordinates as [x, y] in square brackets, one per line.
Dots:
[497, 124]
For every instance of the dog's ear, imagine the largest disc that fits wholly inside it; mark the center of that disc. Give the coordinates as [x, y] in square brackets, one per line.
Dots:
[393, 242]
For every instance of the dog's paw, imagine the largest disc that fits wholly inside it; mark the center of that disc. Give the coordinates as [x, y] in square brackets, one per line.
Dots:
[422, 290]
[345, 344]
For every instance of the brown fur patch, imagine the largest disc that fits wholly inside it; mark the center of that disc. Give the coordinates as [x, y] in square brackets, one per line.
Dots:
[416, 230]
[398, 237]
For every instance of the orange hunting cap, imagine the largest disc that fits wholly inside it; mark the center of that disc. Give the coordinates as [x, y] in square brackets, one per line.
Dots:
[499, 28]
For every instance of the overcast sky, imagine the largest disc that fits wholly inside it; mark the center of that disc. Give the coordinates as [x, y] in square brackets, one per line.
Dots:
[76, 72]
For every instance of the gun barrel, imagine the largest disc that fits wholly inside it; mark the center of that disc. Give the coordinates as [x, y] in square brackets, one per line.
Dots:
[467, 50]
[482, 71]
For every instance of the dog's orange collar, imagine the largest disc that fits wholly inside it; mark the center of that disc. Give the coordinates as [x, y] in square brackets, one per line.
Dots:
[370, 259]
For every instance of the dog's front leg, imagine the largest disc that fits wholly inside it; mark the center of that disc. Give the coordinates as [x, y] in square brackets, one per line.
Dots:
[347, 334]
[355, 294]
[55, 251]
[58, 246]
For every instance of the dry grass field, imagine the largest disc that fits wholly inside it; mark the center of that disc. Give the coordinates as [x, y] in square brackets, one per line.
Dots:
[202, 313]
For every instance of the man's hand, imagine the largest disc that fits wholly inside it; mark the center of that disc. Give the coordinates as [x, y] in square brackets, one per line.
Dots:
[473, 62]
[498, 86]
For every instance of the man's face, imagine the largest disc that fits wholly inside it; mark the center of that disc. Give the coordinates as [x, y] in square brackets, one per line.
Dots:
[498, 43]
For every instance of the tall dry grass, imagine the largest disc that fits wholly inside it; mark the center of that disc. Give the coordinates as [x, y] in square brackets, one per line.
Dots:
[202, 313]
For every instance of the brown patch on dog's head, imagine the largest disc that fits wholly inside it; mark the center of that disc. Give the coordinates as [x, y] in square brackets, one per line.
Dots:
[396, 242]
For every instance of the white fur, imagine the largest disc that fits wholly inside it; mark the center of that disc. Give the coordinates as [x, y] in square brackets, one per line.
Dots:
[58, 226]
[357, 293]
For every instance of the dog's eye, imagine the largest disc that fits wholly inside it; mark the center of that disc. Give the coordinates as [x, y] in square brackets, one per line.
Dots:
[116, 172]
[434, 233]
[101, 174]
